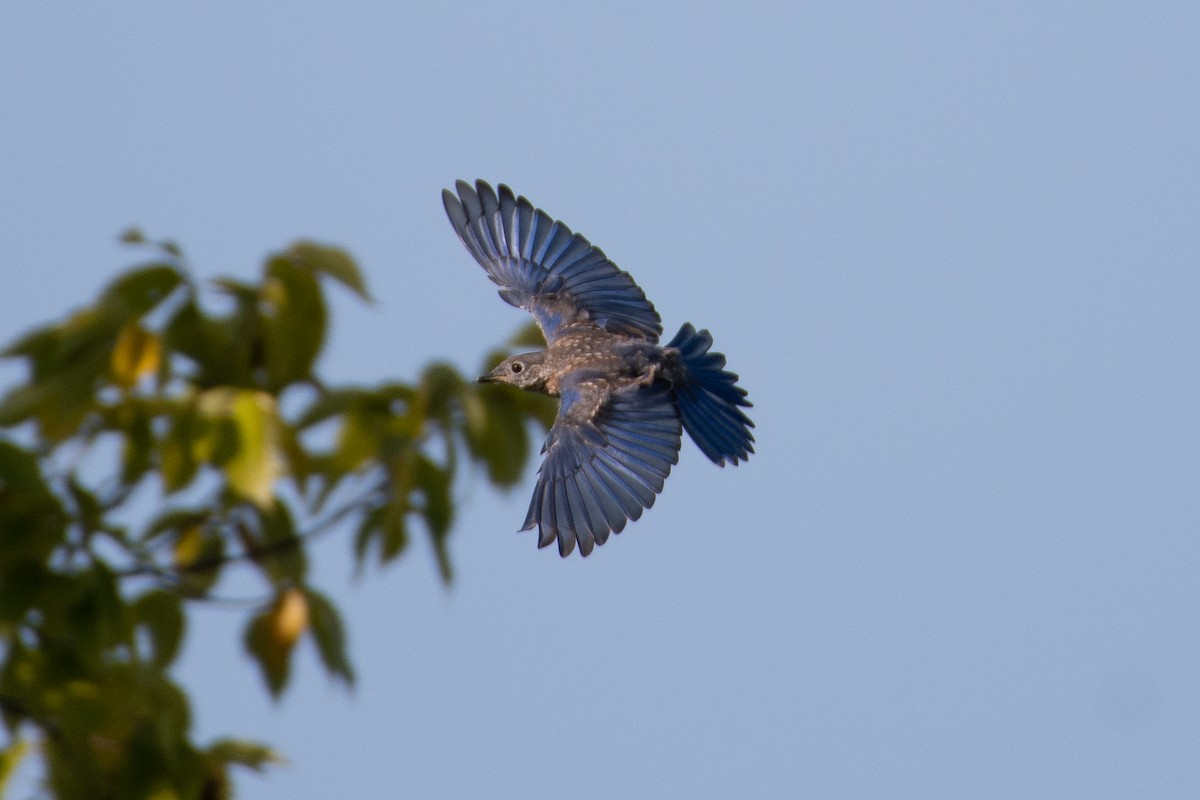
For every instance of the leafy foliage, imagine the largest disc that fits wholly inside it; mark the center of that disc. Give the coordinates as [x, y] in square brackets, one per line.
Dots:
[222, 420]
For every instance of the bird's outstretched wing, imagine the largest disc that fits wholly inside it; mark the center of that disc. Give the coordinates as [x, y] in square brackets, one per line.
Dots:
[557, 276]
[607, 456]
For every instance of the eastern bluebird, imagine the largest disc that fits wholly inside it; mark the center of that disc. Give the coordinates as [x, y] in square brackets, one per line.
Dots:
[623, 397]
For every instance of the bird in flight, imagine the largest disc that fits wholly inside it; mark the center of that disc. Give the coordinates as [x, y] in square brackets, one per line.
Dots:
[624, 399]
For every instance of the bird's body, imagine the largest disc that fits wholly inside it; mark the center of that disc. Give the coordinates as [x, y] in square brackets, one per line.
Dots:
[617, 361]
[625, 399]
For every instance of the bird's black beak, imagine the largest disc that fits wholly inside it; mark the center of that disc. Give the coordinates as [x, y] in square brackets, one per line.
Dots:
[495, 376]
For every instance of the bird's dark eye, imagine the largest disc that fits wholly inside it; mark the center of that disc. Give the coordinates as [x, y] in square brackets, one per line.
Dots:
[517, 366]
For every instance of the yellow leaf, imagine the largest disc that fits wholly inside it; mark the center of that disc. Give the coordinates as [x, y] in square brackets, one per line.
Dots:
[137, 353]
[255, 462]
[289, 618]
[10, 759]
[271, 635]
[187, 546]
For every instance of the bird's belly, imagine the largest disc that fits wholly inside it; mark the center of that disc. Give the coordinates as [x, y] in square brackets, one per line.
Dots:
[602, 360]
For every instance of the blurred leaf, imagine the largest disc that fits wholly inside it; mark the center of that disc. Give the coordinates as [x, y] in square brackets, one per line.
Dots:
[495, 433]
[137, 291]
[289, 617]
[10, 759]
[137, 450]
[296, 457]
[59, 403]
[132, 236]
[332, 261]
[18, 676]
[272, 656]
[441, 385]
[174, 520]
[273, 634]
[87, 508]
[253, 471]
[161, 613]
[22, 402]
[37, 344]
[247, 754]
[331, 403]
[227, 351]
[136, 353]
[32, 519]
[253, 463]
[207, 343]
[393, 529]
[329, 634]
[434, 483]
[295, 323]
[529, 335]
[198, 554]
[283, 554]
[370, 528]
[189, 542]
[179, 460]
[92, 611]
[358, 440]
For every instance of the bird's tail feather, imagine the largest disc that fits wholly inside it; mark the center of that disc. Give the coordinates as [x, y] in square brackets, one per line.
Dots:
[709, 399]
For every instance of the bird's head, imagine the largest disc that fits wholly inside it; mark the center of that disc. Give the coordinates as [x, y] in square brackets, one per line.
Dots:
[526, 370]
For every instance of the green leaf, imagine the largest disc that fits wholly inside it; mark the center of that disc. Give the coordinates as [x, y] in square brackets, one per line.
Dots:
[35, 344]
[92, 612]
[87, 508]
[358, 440]
[199, 555]
[330, 635]
[385, 524]
[393, 529]
[272, 655]
[179, 458]
[208, 343]
[59, 402]
[284, 557]
[331, 403]
[174, 520]
[529, 335]
[332, 261]
[32, 519]
[22, 402]
[137, 291]
[441, 386]
[368, 530]
[434, 482]
[254, 755]
[291, 449]
[227, 351]
[161, 613]
[295, 322]
[138, 445]
[495, 433]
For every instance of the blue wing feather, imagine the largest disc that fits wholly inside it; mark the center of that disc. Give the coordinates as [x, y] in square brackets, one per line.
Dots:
[602, 472]
[541, 266]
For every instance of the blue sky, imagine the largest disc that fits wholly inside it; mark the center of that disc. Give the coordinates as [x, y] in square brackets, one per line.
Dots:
[952, 251]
